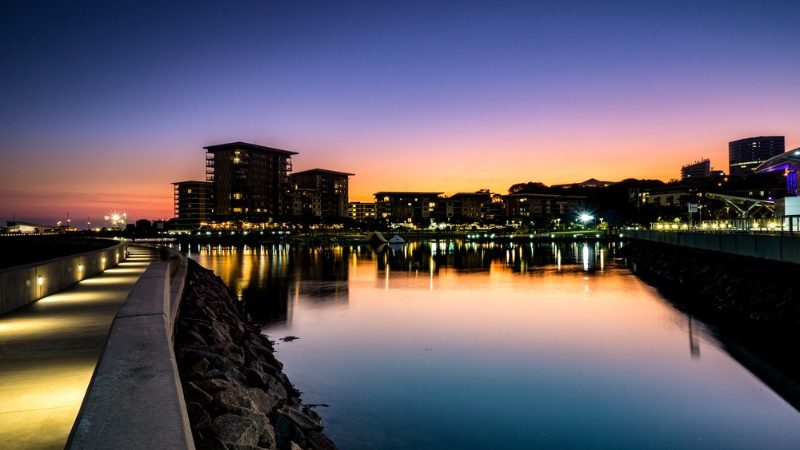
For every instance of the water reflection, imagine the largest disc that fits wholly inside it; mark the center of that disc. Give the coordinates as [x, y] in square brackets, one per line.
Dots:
[269, 279]
[449, 344]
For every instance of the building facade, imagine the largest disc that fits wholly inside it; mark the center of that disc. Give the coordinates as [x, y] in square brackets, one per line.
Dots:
[332, 188]
[540, 205]
[406, 206]
[194, 202]
[697, 169]
[251, 182]
[746, 154]
[361, 210]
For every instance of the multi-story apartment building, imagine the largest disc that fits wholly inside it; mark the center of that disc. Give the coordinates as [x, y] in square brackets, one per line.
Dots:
[331, 186]
[194, 202]
[746, 154]
[251, 182]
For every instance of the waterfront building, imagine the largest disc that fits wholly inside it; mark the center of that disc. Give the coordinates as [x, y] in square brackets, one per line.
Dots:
[469, 206]
[406, 206]
[332, 191]
[306, 202]
[745, 155]
[193, 202]
[673, 196]
[361, 210]
[251, 182]
[539, 205]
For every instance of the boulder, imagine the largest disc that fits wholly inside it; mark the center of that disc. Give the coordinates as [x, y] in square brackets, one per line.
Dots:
[233, 429]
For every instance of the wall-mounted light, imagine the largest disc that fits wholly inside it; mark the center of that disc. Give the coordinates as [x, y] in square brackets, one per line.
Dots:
[80, 267]
[40, 280]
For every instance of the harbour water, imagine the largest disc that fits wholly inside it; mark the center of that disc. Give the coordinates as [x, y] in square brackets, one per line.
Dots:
[450, 344]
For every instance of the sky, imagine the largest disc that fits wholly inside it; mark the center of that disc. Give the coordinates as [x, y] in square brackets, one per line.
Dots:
[104, 104]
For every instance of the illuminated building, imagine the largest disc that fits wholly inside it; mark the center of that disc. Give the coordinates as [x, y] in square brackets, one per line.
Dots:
[361, 210]
[406, 206]
[331, 197]
[463, 206]
[251, 182]
[698, 169]
[539, 205]
[746, 154]
[194, 202]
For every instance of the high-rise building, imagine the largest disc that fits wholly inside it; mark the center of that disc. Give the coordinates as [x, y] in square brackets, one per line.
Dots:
[251, 182]
[746, 154]
[194, 204]
[697, 169]
[332, 187]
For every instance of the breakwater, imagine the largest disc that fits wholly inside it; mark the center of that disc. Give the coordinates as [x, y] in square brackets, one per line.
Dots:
[236, 393]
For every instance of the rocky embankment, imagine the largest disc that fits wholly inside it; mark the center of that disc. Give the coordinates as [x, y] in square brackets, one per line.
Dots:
[759, 293]
[237, 396]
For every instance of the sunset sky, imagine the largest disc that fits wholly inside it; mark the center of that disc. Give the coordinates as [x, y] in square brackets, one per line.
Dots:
[105, 104]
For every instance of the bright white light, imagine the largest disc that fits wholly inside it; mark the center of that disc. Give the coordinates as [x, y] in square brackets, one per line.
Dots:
[584, 217]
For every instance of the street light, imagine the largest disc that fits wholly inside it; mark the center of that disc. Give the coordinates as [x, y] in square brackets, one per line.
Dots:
[585, 218]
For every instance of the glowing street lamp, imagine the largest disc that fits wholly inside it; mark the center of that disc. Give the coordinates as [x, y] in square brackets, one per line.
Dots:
[585, 218]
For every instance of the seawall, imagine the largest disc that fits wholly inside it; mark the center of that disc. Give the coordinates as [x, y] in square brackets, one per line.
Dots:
[237, 396]
[747, 290]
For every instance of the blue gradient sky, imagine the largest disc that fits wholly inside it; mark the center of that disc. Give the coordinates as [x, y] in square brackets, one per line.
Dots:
[105, 104]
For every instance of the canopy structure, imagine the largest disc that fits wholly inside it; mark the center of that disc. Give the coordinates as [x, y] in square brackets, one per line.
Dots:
[788, 162]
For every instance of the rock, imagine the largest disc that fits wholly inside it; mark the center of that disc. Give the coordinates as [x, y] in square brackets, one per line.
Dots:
[267, 439]
[286, 431]
[234, 396]
[237, 396]
[213, 385]
[301, 419]
[289, 338]
[255, 378]
[234, 429]
[192, 393]
[198, 415]
[319, 441]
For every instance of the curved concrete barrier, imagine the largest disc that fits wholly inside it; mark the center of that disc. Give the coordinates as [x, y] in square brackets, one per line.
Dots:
[135, 399]
[21, 285]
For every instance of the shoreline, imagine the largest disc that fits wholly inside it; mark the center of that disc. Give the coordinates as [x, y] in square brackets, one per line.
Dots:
[237, 396]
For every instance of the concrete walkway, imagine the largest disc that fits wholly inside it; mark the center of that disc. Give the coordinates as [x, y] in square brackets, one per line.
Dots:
[48, 352]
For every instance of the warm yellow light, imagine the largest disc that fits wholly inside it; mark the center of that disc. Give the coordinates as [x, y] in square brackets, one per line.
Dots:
[40, 280]
[80, 267]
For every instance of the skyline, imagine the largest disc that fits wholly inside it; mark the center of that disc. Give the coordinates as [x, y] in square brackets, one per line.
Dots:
[105, 107]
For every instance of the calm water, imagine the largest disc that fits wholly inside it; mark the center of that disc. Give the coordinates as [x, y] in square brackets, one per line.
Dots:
[479, 346]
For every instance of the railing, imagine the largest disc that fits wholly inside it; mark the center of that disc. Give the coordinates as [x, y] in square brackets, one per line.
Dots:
[780, 225]
[775, 247]
[135, 399]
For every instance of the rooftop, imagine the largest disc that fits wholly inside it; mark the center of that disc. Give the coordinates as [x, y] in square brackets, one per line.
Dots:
[325, 171]
[239, 145]
[409, 193]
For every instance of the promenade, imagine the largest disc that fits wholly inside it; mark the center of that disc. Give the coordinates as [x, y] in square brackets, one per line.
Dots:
[48, 352]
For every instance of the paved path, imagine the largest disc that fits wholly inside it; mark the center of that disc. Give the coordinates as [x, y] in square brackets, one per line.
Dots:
[48, 352]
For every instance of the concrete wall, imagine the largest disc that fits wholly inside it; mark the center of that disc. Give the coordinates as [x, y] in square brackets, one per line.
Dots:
[135, 399]
[21, 285]
[784, 248]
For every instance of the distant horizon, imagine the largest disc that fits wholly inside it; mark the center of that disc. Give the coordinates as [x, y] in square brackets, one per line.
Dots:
[97, 221]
